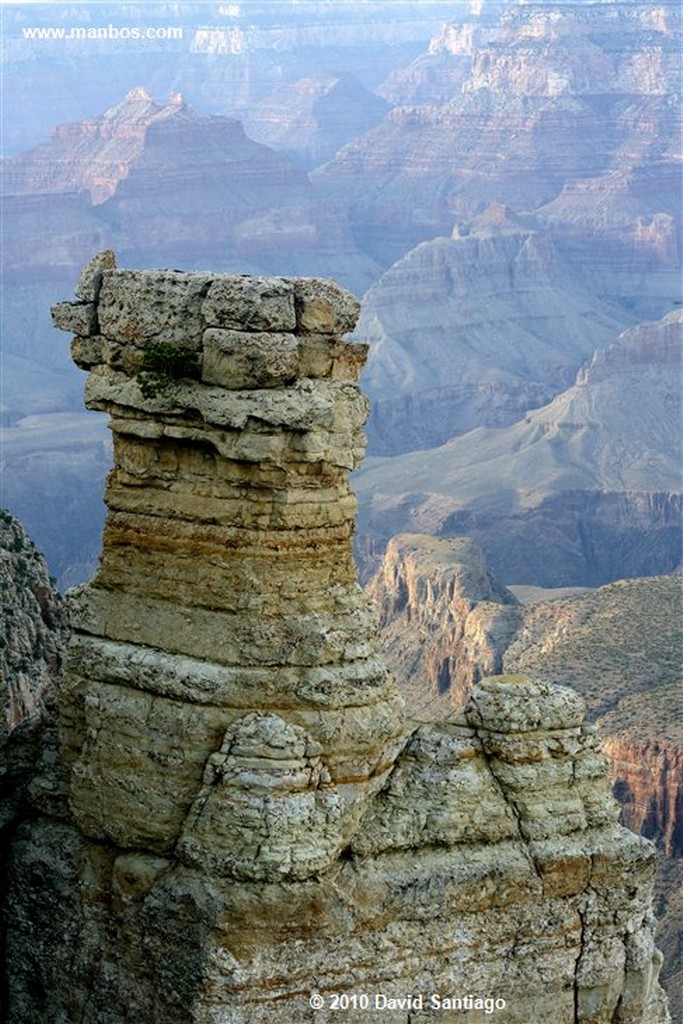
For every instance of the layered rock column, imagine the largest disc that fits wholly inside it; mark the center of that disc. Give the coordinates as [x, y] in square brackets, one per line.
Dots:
[228, 701]
[250, 833]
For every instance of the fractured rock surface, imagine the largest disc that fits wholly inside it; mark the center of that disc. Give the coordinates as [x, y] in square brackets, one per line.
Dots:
[247, 817]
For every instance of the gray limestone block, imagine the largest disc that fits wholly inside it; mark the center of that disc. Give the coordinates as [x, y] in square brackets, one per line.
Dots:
[128, 358]
[322, 307]
[174, 676]
[438, 803]
[145, 306]
[550, 813]
[316, 355]
[241, 359]
[519, 703]
[90, 281]
[246, 303]
[324, 355]
[77, 317]
[517, 747]
[298, 640]
[88, 352]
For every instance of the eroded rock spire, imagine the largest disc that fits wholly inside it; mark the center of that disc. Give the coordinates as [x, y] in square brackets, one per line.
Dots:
[249, 832]
[226, 607]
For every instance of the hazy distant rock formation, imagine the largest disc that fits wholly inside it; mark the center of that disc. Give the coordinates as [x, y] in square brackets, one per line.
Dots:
[163, 178]
[526, 194]
[581, 491]
[475, 331]
[201, 190]
[315, 116]
[93, 155]
[491, 318]
[623, 228]
[247, 814]
[230, 57]
[549, 94]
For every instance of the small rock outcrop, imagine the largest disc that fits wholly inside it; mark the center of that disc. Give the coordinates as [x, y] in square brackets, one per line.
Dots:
[250, 830]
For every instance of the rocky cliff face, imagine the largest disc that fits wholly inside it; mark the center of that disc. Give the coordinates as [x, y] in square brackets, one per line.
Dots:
[249, 827]
[629, 634]
[32, 642]
[443, 617]
[439, 605]
[620, 646]
[649, 785]
[628, 629]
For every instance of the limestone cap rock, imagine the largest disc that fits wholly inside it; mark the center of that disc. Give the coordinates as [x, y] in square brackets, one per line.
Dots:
[520, 703]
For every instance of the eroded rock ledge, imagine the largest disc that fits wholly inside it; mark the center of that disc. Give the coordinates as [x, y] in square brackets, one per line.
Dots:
[246, 818]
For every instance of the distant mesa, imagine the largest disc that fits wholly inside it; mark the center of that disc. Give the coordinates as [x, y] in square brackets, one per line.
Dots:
[315, 116]
[139, 93]
[96, 154]
[164, 182]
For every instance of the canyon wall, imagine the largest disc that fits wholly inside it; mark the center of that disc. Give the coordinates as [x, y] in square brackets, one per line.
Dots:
[240, 824]
[577, 493]
[649, 785]
[445, 622]
[444, 619]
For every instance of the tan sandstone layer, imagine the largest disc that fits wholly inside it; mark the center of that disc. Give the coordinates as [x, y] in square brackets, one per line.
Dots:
[247, 819]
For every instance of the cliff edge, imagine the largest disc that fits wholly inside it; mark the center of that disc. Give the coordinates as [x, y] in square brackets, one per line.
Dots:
[249, 828]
